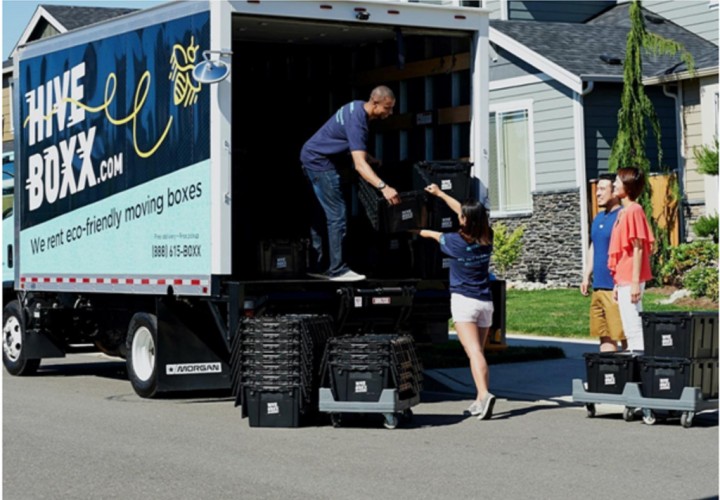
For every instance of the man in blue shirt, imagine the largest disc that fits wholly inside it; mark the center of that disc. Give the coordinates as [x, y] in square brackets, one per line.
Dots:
[605, 319]
[345, 132]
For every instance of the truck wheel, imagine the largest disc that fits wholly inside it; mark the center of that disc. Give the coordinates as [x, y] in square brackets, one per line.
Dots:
[141, 342]
[13, 341]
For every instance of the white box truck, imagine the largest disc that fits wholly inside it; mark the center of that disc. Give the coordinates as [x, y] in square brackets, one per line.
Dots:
[150, 187]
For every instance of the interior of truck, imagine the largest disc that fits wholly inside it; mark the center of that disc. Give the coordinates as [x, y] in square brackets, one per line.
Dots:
[288, 78]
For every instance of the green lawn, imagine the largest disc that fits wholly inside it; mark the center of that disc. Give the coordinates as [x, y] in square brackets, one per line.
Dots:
[561, 313]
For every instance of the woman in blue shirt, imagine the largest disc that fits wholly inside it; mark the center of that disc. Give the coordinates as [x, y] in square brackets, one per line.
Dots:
[471, 300]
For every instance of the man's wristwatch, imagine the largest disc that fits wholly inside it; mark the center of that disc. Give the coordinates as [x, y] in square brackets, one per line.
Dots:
[382, 185]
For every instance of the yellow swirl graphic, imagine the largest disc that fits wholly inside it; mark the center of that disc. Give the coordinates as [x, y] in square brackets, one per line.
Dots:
[184, 93]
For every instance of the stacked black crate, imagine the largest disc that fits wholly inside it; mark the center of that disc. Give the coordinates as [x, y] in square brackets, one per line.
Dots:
[276, 363]
[453, 178]
[359, 367]
[608, 372]
[681, 350]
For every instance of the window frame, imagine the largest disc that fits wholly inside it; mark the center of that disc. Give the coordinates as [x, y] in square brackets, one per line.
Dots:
[509, 107]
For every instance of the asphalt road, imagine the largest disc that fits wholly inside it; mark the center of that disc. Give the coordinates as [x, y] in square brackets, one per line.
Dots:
[77, 430]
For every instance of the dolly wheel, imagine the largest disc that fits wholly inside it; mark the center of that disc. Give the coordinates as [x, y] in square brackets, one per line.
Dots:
[649, 416]
[590, 409]
[391, 421]
[335, 420]
[686, 419]
[628, 414]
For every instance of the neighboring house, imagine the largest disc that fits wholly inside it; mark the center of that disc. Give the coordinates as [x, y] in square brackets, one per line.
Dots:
[697, 108]
[48, 20]
[555, 93]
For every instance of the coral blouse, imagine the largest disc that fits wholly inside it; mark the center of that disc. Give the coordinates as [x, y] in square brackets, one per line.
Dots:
[631, 225]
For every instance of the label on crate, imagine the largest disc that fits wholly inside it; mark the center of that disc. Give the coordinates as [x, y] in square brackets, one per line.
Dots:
[609, 379]
[667, 340]
[664, 384]
[360, 386]
[446, 222]
[358, 301]
[446, 263]
[406, 214]
[383, 301]
[446, 184]
[193, 369]
[273, 408]
[281, 263]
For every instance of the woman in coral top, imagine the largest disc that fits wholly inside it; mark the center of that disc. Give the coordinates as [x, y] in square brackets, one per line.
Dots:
[629, 254]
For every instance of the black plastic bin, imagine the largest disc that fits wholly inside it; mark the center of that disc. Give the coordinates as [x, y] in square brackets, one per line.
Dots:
[273, 408]
[359, 383]
[410, 213]
[283, 258]
[665, 378]
[608, 372]
[681, 334]
[451, 176]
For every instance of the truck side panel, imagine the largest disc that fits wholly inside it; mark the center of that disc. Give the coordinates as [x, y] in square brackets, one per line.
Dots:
[114, 174]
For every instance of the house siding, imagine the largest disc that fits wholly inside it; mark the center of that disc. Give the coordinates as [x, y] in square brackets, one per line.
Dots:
[509, 66]
[600, 112]
[693, 15]
[7, 126]
[556, 11]
[494, 7]
[553, 127]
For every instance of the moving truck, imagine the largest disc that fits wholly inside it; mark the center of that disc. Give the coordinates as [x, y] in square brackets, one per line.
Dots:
[158, 193]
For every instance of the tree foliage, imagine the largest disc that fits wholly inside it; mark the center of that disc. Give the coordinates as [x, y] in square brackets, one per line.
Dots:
[707, 159]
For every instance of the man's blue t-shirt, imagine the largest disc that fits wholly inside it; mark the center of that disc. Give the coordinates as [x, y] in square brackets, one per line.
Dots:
[345, 131]
[469, 266]
[600, 235]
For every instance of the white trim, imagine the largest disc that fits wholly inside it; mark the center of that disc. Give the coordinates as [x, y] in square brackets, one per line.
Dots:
[684, 75]
[519, 81]
[39, 13]
[221, 146]
[504, 12]
[557, 72]
[480, 105]
[580, 171]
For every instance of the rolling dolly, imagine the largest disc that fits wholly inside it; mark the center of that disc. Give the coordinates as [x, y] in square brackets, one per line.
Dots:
[689, 404]
[582, 395]
[390, 405]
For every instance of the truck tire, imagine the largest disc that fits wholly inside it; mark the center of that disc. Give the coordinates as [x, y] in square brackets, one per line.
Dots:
[13, 341]
[141, 355]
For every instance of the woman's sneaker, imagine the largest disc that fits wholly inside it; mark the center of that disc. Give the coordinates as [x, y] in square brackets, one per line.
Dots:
[487, 407]
[475, 409]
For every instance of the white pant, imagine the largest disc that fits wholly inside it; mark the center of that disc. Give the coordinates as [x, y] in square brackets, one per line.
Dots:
[630, 315]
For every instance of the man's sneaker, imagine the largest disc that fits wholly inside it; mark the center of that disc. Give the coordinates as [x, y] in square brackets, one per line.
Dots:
[487, 407]
[475, 409]
[348, 276]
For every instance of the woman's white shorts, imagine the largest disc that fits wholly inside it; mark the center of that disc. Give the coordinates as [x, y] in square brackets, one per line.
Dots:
[467, 310]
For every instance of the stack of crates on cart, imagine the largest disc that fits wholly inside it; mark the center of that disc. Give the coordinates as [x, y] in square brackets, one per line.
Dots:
[276, 365]
[681, 350]
[363, 368]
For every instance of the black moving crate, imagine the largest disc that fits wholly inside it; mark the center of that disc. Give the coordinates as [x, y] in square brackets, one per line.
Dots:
[453, 178]
[410, 213]
[608, 372]
[273, 407]
[283, 258]
[665, 378]
[681, 334]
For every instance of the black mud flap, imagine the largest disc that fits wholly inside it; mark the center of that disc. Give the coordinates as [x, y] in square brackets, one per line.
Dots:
[191, 354]
[39, 346]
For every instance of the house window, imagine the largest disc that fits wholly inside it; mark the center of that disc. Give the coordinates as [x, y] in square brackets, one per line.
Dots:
[510, 162]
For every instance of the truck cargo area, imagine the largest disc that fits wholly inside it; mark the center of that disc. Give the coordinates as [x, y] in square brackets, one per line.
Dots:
[288, 77]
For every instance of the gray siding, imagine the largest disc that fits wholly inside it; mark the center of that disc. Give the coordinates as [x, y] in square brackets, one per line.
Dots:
[509, 66]
[494, 7]
[556, 11]
[553, 127]
[601, 109]
[693, 15]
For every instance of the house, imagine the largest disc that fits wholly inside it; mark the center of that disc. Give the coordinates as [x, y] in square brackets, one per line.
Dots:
[554, 96]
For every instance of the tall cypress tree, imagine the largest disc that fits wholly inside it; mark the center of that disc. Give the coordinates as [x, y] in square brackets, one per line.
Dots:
[636, 111]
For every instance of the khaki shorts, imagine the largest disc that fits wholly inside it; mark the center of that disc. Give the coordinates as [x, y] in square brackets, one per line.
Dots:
[605, 318]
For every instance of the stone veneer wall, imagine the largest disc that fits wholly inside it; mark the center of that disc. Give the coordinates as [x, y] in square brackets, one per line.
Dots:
[552, 246]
